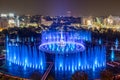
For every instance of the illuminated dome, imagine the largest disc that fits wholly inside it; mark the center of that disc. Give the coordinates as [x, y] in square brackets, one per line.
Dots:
[61, 42]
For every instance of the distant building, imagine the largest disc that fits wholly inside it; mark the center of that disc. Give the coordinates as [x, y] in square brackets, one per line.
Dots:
[8, 20]
[87, 21]
[3, 20]
[112, 20]
[45, 22]
[29, 20]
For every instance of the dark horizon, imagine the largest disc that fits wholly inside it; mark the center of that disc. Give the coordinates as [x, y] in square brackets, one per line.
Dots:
[60, 7]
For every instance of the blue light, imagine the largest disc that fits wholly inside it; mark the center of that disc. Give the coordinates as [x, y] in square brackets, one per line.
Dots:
[91, 59]
[100, 41]
[65, 42]
[32, 39]
[112, 54]
[116, 43]
[24, 55]
[69, 50]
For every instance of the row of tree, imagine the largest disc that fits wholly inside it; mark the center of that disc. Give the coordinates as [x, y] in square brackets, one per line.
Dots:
[104, 75]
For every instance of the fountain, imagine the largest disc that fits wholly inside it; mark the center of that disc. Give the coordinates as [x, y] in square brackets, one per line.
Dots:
[24, 55]
[91, 58]
[70, 50]
[112, 54]
[116, 44]
[63, 42]
[100, 41]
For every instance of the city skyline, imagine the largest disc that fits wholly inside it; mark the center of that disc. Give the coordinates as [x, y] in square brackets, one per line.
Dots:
[60, 7]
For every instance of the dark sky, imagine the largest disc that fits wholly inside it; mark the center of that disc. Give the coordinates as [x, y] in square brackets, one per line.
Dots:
[60, 7]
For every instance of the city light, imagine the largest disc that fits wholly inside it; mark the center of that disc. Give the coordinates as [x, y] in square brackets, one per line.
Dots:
[110, 21]
[11, 14]
[3, 15]
[89, 22]
[11, 21]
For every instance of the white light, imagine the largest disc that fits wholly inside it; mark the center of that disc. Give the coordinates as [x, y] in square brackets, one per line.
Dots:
[89, 22]
[82, 47]
[110, 21]
[18, 21]
[3, 15]
[11, 14]
[11, 21]
[62, 43]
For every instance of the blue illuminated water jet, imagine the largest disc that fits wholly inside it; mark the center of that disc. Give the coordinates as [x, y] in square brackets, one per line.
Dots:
[100, 41]
[112, 54]
[25, 55]
[116, 43]
[64, 42]
[92, 58]
[71, 51]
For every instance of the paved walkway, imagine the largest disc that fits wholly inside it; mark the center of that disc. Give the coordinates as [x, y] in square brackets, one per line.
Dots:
[47, 71]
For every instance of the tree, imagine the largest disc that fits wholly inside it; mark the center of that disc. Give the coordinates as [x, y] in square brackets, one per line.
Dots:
[79, 76]
[50, 77]
[106, 75]
[36, 76]
[5, 32]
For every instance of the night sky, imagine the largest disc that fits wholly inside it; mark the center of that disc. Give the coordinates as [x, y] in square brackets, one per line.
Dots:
[60, 7]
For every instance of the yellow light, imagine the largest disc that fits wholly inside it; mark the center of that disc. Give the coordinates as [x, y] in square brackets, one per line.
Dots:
[11, 21]
[89, 22]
